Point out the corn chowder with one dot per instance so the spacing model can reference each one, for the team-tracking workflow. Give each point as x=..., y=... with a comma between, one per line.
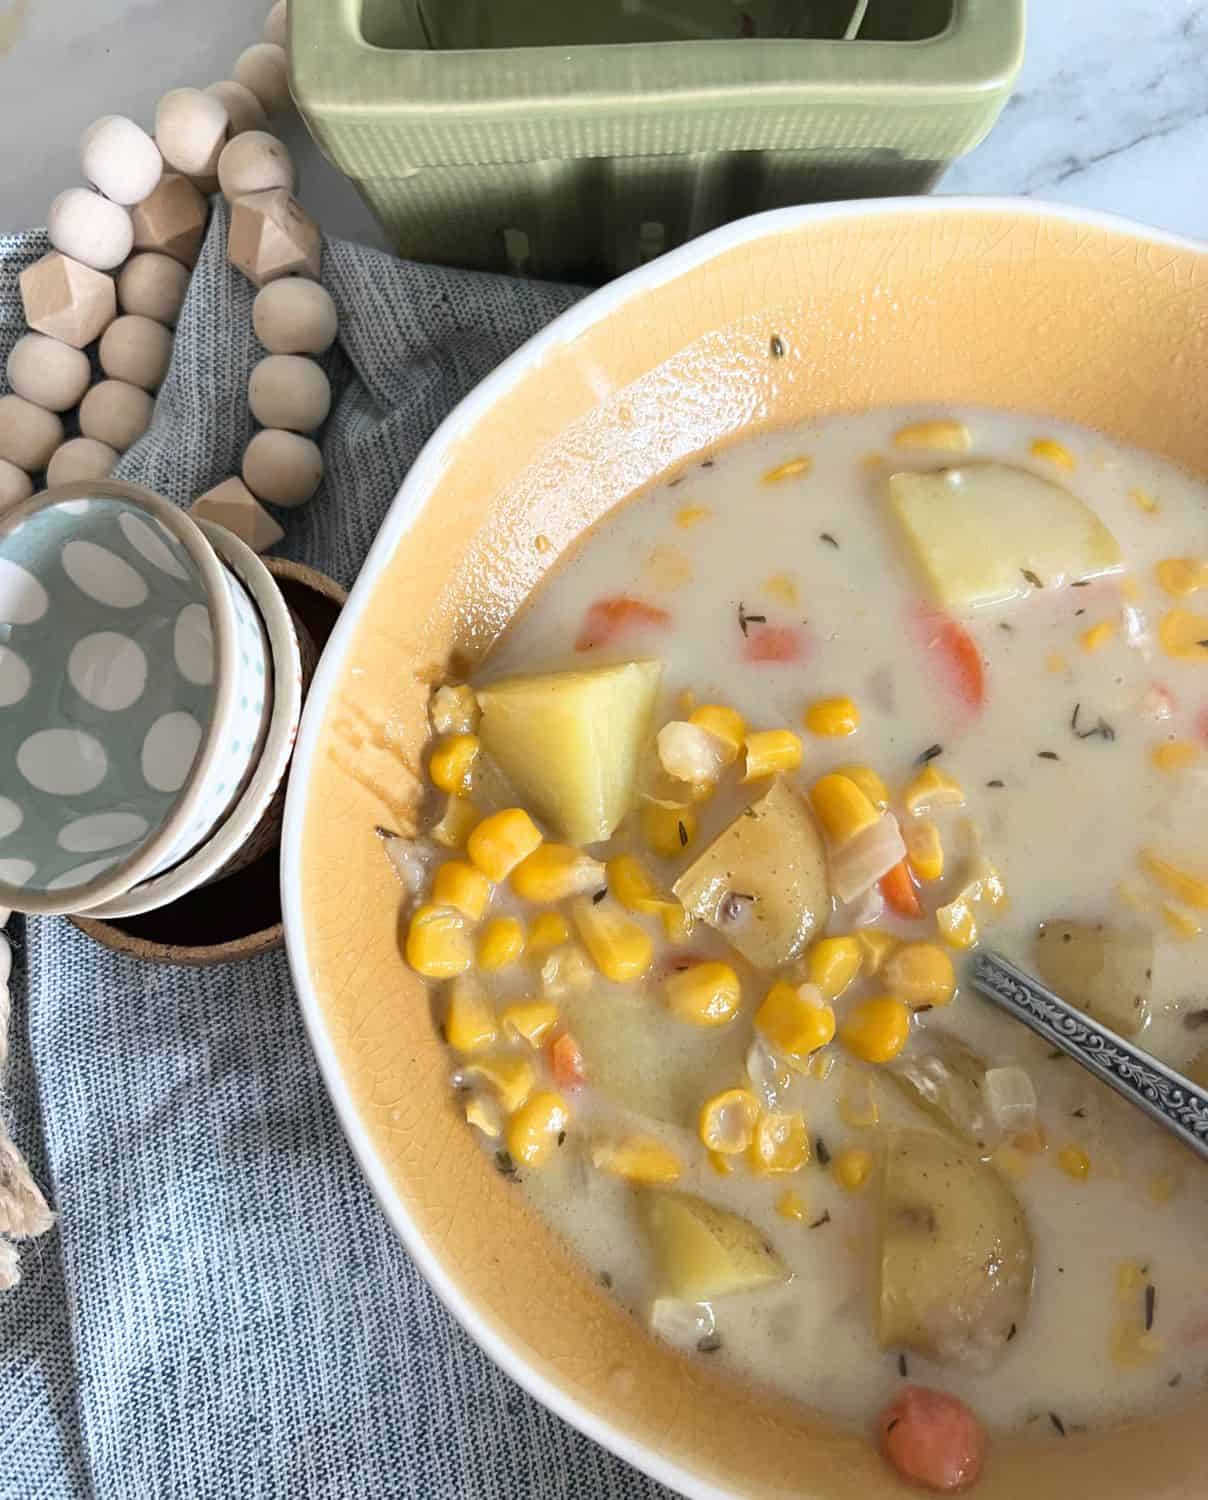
x=772, y=750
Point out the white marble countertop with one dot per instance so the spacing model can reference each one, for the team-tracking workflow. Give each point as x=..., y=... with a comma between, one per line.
x=1111, y=110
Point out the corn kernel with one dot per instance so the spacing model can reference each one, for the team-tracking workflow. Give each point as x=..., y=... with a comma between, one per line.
x=782, y=587
x=957, y=924
x=706, y=994
x=536, y=1129
x=547, y=930
x=620, y=949
x=833, y=963
x=727, y=1122
x=796, y=1023
x=921, y=974
x=721, y=1164
x=876, y=1030
x=450, y=763
x=639, y=1158
x=438, y=945
x=851, y=1168
x=822, y=1064
x=869, y=783
x=857, y=1104
x=1182, y=925
x=542, y=542
x=630, y=883
x=1057, y=664
x=1144, y=500
x=875, y=947
x=565, y=970
x=872, y=461
x=1053, y=452
x=470, y=1018
x=456, y=823
x=484, y=1115
x=832, y=718
x=793, y=468
x=552, y=872
x=790, y=1206
x=692, y=515
x=841, y=807
x=512, y=1078
x=930, y=789
x=924, y=849
x=1011, y=1162
x=949, y=435
x=724, y=724
x=500, y=842
x=1174, y=755
x=668, y=827
x=500, y=943
x=454, y=709
x=780, y=1143
x=1095, y=637
x=459, y=884
x=1184, y=635
x=1181, y=576
x=771, y=750
x=529, y=1021
x=1184, y=887
x=1074, y=1162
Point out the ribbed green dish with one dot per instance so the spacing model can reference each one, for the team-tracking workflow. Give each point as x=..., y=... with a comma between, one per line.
x=583, y=161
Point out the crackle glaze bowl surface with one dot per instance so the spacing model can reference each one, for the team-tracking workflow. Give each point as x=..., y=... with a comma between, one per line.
x=1000, y=303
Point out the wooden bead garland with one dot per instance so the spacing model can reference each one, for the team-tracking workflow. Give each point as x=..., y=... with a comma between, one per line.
x=145, y=213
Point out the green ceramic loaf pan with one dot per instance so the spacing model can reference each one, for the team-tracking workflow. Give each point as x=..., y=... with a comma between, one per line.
x=582, y=161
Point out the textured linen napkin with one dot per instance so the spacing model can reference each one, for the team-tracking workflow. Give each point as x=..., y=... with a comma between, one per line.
x=223, y=1310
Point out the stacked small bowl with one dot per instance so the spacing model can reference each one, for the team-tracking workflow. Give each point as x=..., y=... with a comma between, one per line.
x=150, y=688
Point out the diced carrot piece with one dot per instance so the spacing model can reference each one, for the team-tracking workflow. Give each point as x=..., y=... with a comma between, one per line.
x=609, y=619
x=566, y=1062
x=932, y=1439
x=900, y=892
x=775, y=643
x=955, y=653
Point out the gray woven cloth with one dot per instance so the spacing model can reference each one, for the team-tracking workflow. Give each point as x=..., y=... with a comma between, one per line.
x=223, y=1311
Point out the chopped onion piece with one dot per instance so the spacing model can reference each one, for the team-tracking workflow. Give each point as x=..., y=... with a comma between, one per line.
x=865, y=909
x=689, y=753
x=683, y=1324
x=1011, y=1099
x=862, y=861
x=411, y=861
x=770, y=1075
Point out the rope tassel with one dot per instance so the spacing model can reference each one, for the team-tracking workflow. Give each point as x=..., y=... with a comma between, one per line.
x=24, y=1212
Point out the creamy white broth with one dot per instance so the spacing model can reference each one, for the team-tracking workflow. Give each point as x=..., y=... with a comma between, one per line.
x=821, y=553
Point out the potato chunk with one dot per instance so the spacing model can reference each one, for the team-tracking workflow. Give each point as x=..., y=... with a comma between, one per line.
x=1104, y=970
x=956, y=1254
x=569, y=742
x=763, y=883
x=984, y=532
x=702, y=1251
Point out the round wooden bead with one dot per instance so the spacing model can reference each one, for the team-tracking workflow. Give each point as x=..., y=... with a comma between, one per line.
x=15, y=483
x=282, y=468
x=290, y=391
x=190, y=130
x=243, y=109
x=117, y=413
x=88, y=228
x=253, y=163
x=276, y=24
x=154, y=286
x=47, y=372
x=263, y=69
x=120, y=159
x=29, y=434
x=295, y=316
x=136, y=349
x=79, y=459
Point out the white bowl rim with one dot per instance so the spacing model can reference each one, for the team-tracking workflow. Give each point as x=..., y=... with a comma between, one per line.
x=414, y=492
x=128, y=872
x=226, y=840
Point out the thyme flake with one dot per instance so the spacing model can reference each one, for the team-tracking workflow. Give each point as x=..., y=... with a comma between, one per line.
x=1057, y=1422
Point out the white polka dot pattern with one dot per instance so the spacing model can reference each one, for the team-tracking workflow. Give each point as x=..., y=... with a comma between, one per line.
x=103, y=576
x=16, y=871
x=193, y=644
x=169, y=750
x=14, y=677
x=80, y=875
x=100, y=831
x=64, y=762
x=23, y=600
x=145, y=542
x=11, y=817
x=108, y=670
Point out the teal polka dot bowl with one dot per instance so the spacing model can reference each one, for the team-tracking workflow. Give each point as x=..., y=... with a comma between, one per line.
x=135, y=693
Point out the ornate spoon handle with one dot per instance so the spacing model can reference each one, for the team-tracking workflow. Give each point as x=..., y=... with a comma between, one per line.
x=1164, y=1095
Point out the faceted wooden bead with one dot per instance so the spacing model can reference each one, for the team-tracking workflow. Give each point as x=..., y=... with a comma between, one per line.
x=282, y=468
x=263, y=68
x=29, y=434
x=136, y=349
x=117, y=413
x=271, y=235
x=244, y=110
x=153, y=286
x=66, y=300
x=79, y=459
x=190, y=131
x=15, y=483
x=172, y=220
x=253, y=163
x=89, y=228
x=48, y=372
x=232, y=504
x=120, y=159
x=295, y=316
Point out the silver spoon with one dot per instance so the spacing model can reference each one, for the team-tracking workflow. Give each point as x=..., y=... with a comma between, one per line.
x=1164, y=1095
